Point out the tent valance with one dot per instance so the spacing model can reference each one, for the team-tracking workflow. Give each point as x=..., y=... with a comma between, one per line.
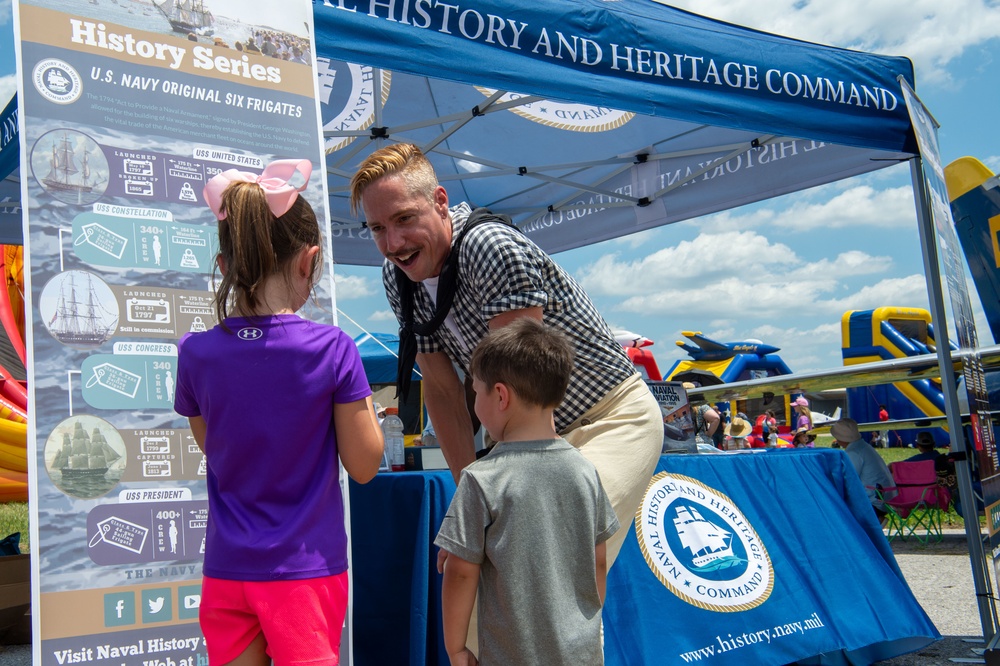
x=669, y=115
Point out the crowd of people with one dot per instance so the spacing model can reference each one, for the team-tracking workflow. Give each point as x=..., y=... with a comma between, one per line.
x=270, y=43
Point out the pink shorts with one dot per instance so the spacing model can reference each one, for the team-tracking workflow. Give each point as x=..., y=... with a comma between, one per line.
x=302, y=620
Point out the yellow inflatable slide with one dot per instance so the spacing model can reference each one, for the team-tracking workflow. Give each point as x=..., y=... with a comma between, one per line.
x=13, y=395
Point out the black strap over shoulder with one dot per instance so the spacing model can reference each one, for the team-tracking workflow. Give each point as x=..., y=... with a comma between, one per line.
x=447, y=287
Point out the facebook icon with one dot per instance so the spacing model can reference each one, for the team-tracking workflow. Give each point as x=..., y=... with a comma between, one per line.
x=119, y=609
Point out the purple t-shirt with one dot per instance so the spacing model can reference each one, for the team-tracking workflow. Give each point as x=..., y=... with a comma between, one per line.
x=266, y=392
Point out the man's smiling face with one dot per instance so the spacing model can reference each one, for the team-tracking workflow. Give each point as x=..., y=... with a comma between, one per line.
x=409, y=230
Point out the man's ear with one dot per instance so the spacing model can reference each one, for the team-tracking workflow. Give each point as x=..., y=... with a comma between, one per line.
x=441, y=200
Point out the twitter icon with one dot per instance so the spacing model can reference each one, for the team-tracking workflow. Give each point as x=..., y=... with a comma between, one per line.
x=156, y=605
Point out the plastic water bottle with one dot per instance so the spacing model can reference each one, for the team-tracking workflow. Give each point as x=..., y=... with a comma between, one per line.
x=392, y=430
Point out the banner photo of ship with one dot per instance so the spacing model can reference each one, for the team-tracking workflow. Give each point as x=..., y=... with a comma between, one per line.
x=187, y=16
x=119, y=254
x=216, y=22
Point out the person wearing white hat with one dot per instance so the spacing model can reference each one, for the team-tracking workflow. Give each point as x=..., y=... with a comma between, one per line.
x=867, y=462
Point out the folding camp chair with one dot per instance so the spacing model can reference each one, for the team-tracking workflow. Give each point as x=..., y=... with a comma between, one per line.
x=919, y=504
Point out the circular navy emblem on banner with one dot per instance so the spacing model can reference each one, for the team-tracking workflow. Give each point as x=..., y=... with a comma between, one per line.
x=57, y=81
x=250, y=333
x=564, y=115
x=699, y=544
x=347, y=99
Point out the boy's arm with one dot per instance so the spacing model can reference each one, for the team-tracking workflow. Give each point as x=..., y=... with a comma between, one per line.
x=458, y=595
x=601, y=555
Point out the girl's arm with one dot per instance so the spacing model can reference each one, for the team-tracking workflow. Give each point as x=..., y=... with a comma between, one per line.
x=601, y=552
x=458, y=596
x=198, y=429
x=359, y=438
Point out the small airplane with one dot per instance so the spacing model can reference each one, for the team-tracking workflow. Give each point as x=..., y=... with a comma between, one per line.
x=628, y=339
x=819, y=418
x=710, y=350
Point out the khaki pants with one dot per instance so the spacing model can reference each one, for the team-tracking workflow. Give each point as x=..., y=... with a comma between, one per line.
x=622, y=435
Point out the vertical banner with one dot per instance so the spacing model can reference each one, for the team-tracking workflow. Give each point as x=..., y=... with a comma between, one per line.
x=965, y=325
x=128, y=107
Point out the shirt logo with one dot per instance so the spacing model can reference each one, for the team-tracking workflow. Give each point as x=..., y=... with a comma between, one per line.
x=701, y=546
x=57, y=81
x=250, y=333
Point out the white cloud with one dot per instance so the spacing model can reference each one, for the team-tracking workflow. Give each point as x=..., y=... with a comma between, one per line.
x=685, y=265
x=8, y=86
x=910, y=291
x=825, y=208
x=352, y=286
x=382, y=315
x=6, y=12
x=930, y=32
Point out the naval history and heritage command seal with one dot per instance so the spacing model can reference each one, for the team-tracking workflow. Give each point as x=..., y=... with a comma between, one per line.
x=699, y=544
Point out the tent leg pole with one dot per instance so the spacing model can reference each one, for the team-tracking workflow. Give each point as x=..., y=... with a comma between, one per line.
x=977, y=555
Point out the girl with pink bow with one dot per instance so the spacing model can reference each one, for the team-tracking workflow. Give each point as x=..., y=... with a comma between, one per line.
x=273, y=400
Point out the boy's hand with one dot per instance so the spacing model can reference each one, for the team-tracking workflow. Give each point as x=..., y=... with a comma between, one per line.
x=463, y=658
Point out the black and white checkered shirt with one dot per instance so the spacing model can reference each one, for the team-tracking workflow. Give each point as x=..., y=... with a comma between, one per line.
x=500, y=270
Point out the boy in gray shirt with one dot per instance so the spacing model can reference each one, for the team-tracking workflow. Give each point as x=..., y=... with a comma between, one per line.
x=529, y=522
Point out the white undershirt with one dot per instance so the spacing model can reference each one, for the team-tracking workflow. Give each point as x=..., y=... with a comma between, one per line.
x=431, y=284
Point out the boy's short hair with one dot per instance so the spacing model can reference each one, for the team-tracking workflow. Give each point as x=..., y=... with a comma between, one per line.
x=533, y=359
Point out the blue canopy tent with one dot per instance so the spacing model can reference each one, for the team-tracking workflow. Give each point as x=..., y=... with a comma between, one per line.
x=10, y=184
x=589, y=121
x=379, y=355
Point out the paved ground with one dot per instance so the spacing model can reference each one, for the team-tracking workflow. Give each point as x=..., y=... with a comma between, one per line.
x=939, y=575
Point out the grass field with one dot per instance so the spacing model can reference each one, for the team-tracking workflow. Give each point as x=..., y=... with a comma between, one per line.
x=951, y=519
x=14, y=518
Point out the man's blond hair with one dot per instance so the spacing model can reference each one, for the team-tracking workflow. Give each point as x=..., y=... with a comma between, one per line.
x=404, y=160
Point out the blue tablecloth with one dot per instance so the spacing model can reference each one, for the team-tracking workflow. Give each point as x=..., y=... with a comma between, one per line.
x=397, y=589
x=836, y=594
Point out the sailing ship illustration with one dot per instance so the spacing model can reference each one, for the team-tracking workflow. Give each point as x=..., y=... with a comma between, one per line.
x=187, y=16
x=77, y=321
x=710, y=545
x=83, y=455
x=63, y=170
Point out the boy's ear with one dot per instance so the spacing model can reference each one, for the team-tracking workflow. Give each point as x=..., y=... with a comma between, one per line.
x=503, y=395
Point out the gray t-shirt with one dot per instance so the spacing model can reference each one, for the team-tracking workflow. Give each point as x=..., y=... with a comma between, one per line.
x=531, y=513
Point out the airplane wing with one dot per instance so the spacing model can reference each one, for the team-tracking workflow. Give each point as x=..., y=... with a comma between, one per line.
x=864, y=374
x=703, y=342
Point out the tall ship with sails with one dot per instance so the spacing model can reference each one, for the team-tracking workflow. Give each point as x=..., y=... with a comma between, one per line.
x=710, y=545
x=79, y=319
x=83, y=455
x=187, y=16
x=63, y=169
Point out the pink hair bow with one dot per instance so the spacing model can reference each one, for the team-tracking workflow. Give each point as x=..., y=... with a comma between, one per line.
x=274, y=181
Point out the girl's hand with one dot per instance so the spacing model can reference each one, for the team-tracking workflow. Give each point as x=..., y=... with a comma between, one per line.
x=464, y=658
x=359, y=438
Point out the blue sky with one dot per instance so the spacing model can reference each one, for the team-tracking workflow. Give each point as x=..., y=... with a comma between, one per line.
x=783, y=271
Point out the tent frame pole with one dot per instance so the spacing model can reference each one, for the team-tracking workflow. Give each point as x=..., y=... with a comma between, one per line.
x=977, y=555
